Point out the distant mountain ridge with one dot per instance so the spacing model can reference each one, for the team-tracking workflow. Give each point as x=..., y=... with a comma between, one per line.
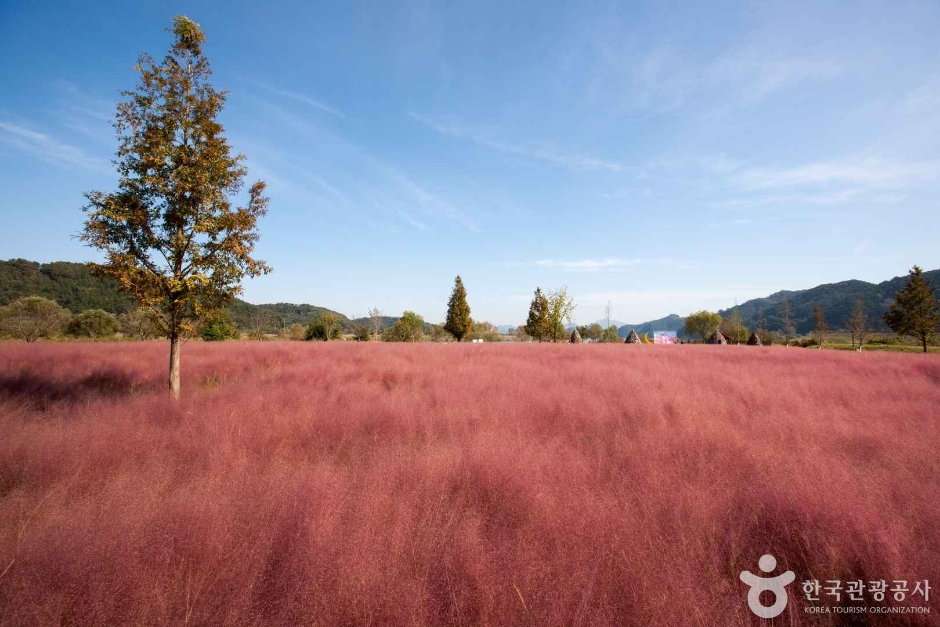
x=72, y=286
x=837, y=300
x=672, y=322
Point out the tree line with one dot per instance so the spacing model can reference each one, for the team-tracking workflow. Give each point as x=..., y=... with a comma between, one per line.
x=915, y=313
x=175, y=241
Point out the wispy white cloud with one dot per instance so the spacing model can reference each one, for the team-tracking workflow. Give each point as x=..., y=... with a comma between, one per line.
x=84, y=113
x=925, y=98
x=664, y=79
x=840, y=197
x=720, y=164
x=413, y=221
x=431, y=202
x=80, y=101
x=611, y=264
x=756, y=74
x=48, y=148
x=624, y=192
x=535, y=151
x=332, y=191
x=865, y=172
x=302, y=98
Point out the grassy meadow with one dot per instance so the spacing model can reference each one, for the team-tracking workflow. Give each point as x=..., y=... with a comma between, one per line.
x=442, y=484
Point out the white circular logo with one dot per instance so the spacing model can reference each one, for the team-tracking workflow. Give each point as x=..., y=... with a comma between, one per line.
x=758, y=584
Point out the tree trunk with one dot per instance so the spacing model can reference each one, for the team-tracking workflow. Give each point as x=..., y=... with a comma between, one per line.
x=925, y=344
x=175, y=346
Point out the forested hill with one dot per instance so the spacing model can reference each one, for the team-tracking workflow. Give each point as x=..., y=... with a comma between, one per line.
x=72, y=286
x=69, y=284
x=837, y=300
x=672, y=322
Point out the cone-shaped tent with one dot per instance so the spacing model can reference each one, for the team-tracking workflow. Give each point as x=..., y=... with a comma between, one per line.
x=717, y=338
x=633, y=338
x=754, y=340
x=575, y=337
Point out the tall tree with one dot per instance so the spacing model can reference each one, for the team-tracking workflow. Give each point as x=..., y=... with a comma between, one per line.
x=787, y=321
x=761, y=330
x=916, y=311
x=408, y=328
x=858, y=322
x=170, y=233
x=702, y=323
x=262, y=321
x=458, y=321
x=610, y=335
x=537, y=323
x=819, y=325
x=733, y=327
x=560, y=308
x=361, y=333
x=375, y=320
x=594, y=332
x=32, y=317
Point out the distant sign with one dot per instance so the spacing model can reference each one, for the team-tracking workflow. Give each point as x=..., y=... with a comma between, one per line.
x=665, y=337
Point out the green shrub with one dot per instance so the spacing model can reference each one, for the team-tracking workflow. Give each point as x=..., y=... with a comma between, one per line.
x=218, y=327
x=324, y=328
x=93, y=323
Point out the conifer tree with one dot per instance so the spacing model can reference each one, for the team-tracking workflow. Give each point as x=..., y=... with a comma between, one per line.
x=458, y=321
x=537, y=322
x=916, y=311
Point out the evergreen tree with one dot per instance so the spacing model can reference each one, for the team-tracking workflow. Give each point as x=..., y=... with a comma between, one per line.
x=537, y=323
x=916, y=311
x=170, y=233
x=458, y=321
x=217, y=326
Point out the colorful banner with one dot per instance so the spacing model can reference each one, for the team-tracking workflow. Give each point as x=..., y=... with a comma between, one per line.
x=665, y=337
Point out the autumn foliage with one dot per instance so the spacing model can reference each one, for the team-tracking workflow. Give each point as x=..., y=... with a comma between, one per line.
x=445, y=484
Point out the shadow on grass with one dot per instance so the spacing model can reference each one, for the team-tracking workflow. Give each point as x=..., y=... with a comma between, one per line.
x=40, y=392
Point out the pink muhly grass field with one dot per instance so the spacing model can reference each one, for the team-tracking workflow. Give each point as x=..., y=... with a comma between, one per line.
x=394, y=484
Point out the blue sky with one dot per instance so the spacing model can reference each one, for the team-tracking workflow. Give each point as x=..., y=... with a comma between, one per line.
x=665, y=158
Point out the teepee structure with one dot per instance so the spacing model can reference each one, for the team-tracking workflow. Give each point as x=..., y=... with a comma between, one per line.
x=754, y=340
x=717, y=338
x=633, y=338
x=575, y=337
